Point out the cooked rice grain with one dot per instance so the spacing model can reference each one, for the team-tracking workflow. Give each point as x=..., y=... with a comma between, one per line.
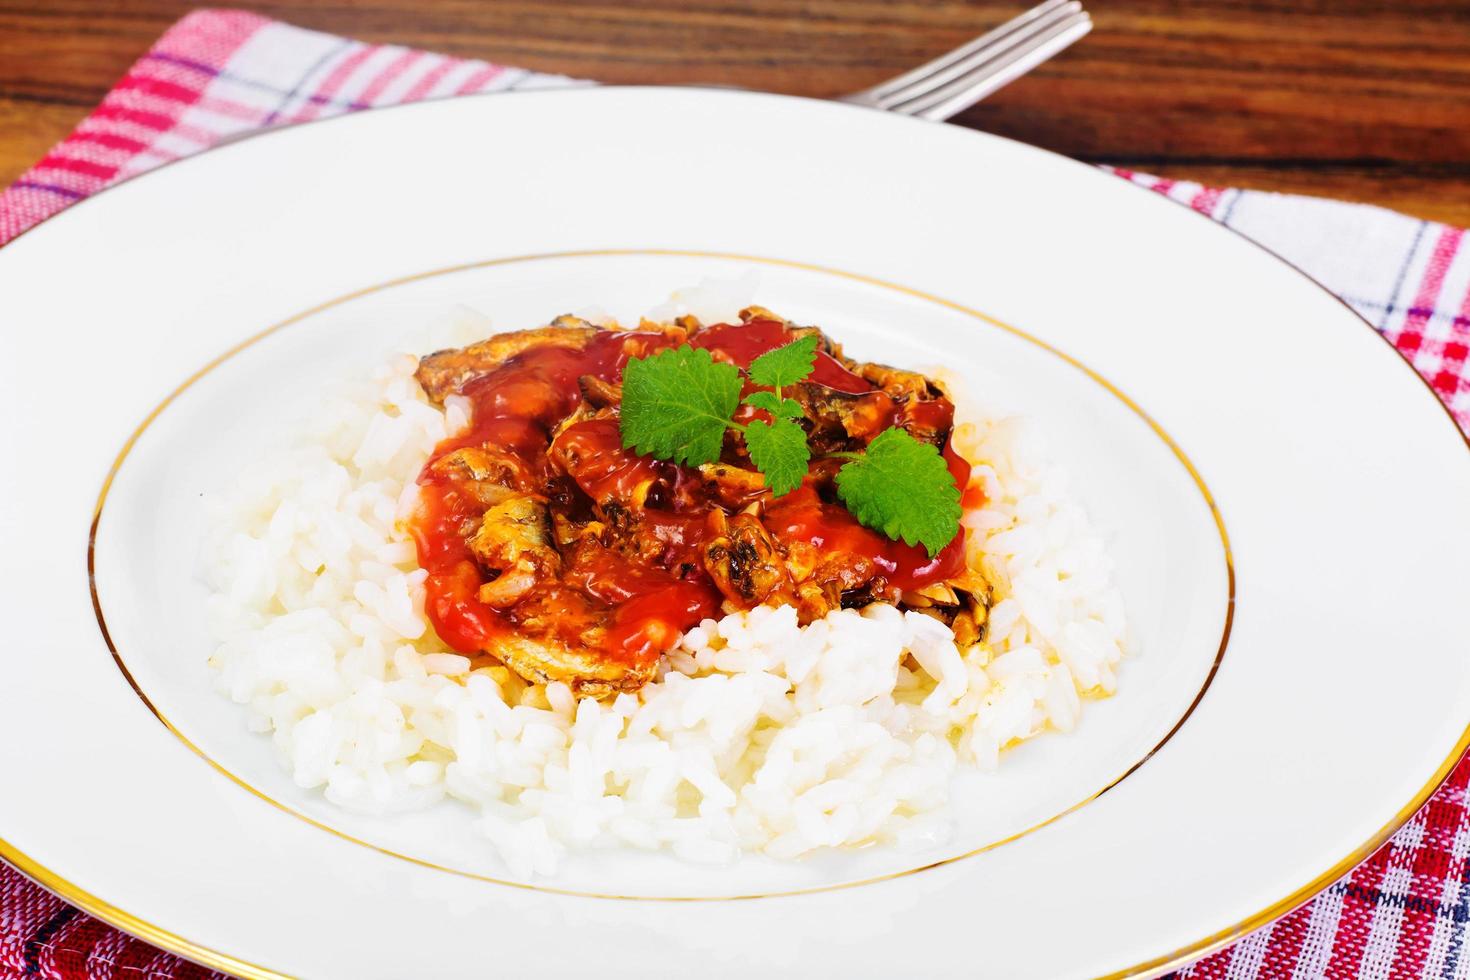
x=759, y=734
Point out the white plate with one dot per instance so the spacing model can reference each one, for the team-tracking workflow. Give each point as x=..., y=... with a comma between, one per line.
x=1286, y=712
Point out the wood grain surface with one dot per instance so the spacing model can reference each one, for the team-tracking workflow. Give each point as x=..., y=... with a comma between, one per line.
x=1350, y=99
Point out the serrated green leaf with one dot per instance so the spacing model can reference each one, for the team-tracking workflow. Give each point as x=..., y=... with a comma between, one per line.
x=779, y=451
x=787, y=408
x=785, y=365
x=903, y=488
x=677, y=404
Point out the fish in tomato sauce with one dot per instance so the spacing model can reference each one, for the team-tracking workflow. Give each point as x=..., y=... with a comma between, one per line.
x=554, y=549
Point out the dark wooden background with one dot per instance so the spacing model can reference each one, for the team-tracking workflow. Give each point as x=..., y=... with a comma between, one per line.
x=1351, y=99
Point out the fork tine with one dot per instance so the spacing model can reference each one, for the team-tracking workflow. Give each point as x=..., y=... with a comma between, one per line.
x=994, y=73
x=979, y=58
x=1022, y=24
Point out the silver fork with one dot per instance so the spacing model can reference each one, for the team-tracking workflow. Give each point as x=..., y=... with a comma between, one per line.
x=964, y=76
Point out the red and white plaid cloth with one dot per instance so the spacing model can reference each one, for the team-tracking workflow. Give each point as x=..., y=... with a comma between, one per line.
x=1402, y=913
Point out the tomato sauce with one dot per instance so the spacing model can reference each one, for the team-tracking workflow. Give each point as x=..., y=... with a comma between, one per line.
x=647, y=599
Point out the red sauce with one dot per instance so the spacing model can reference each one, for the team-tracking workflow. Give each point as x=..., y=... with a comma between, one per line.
x=802, y=516
x=649, y=598
x=459, y=617
x=744, y=342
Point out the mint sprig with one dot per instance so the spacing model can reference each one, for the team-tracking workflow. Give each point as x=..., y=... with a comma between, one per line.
x=902, y=487
x=678, y=404
x=779, y=451
x=786, y=365
x=788, y=408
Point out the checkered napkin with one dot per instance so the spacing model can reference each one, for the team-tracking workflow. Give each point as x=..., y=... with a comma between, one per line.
x=1402, y=913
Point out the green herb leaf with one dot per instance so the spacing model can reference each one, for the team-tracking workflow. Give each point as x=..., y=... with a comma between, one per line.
x=780, y=452
x=903, y=488
x=677, y=405
x=785, y=365
x=778, y=407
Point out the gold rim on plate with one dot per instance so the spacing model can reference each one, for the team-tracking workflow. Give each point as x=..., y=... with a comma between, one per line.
x=681, y=253
x=1194, y=950
x=155, y=934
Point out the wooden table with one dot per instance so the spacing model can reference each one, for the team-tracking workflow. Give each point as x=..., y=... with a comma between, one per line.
x=1346, y=98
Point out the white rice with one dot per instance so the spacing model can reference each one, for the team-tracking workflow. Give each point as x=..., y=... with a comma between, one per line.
x=760, y=735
